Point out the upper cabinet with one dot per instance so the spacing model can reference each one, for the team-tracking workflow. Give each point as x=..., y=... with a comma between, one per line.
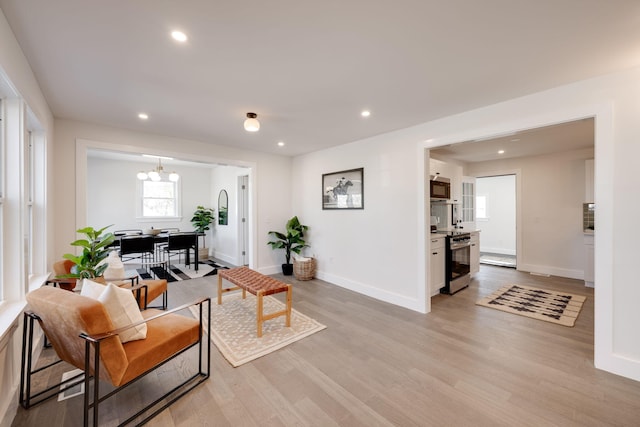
x=589, y=179
x=451, y=171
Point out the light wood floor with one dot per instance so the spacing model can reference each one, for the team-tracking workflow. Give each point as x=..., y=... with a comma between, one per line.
x=380, y=365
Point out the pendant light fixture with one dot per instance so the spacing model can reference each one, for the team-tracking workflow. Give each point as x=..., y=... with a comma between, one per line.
x=251, y=124
x=156, y=174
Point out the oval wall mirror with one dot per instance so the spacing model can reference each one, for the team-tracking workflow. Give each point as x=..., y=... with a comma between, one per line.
x=223, y=207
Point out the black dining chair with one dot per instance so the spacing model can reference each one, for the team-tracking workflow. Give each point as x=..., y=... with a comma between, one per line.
x=179, y=243
x=137, y=247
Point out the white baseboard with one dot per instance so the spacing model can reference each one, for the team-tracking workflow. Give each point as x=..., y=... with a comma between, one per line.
x=379, y=294
x=229, y=259
x=272, y=269
x=390, y=297
x=12, y=409
x=552, y=271
x=500, y=251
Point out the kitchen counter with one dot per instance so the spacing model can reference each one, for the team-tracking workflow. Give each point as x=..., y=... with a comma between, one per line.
x=448, y=232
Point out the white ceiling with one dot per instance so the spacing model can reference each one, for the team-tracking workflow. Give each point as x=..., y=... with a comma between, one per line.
x=576, y=135
x=308, y=68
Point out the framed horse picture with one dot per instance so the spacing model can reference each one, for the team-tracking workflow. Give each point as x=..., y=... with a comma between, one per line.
x=343, y=190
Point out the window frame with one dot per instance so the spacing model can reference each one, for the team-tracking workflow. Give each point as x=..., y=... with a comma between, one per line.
x=140, y=201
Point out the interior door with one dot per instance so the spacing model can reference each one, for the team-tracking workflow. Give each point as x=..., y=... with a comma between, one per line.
x=243, y=199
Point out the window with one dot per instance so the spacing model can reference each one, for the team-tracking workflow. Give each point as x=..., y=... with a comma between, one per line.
x=481, y=207
x=22, y=209
x=29, y=208
x=159, y=199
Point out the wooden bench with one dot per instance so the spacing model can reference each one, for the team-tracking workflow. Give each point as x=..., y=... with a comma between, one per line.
x=259, y=285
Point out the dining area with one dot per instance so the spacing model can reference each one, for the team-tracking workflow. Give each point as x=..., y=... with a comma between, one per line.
x=155, y=249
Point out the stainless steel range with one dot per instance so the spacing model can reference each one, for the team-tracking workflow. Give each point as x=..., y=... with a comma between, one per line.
x=458, y=262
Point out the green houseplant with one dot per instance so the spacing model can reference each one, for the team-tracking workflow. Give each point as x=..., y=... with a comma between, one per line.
x=94, y=251
x=202, y=219
x=291, y=241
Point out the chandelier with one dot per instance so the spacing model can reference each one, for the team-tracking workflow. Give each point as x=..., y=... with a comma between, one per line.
x=156, y=174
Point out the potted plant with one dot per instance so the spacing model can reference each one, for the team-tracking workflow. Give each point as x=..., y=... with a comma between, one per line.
x=202, y=219
x=292, y=241
x=95, y=250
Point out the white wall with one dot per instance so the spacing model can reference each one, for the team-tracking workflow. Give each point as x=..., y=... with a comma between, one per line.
x=551, y=195
x=373, y=251
x=499, y=227
x=271, y=174
x=112, y=194
x=15, y=69
x=225, y=241
x=380, y=251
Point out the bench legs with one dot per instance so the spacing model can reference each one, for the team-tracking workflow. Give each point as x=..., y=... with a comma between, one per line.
x=260, y=316
x=222, y=291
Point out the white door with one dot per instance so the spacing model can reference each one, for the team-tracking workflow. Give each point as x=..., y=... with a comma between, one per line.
x=243, y=219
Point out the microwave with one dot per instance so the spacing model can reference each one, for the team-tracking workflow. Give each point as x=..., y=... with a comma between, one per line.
x=440, y=188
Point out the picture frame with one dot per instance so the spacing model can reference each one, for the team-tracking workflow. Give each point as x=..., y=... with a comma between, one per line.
x=343, y=189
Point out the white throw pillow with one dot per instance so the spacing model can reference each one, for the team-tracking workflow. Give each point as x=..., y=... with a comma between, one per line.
x=123, y=310
x=92, y=289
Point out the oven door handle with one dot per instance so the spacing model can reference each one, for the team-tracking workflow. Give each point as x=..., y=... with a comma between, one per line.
x=460, y=245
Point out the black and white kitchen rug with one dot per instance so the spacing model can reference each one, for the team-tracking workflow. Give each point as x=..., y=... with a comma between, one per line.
x=555, y=307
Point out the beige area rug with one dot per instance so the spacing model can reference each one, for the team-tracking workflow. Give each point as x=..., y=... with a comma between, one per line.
x=234, y=327
x=554, y=307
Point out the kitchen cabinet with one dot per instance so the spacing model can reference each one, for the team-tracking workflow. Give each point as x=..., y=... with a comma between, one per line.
x=451, y=171
x=437, y=261
x=475, y=252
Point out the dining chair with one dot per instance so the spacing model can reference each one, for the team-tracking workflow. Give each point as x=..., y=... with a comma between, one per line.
x=179, y=243
x=141, y=248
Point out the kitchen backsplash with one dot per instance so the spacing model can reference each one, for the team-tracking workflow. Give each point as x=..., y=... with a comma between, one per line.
x=588, y=216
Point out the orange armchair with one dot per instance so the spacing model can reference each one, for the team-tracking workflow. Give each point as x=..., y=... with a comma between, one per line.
x=81, y=331
x=145, y=291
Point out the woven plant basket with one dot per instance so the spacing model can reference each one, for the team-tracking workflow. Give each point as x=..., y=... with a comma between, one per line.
x=304, y=270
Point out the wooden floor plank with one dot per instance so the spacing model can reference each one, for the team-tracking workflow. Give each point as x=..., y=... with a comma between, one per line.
x=379, y=364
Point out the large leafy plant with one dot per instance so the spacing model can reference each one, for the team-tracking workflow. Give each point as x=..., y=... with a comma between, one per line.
x=202, y=219
x=292, y=241
x=94, y=251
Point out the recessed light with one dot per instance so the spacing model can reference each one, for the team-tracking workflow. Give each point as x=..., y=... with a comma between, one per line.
x=365, y=113
x=501, y=152
x=280, y=144
x=179, y=36
x=143, y=116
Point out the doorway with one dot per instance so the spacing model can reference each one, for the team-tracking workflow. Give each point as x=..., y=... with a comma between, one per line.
x=496, y=216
